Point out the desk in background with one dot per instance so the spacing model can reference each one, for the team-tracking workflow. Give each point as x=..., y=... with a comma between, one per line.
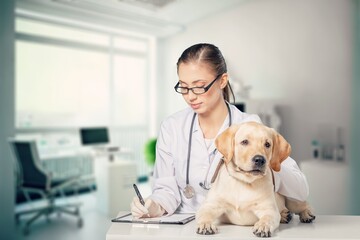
x=324, y=227
x=68, y=163
x=113, y=178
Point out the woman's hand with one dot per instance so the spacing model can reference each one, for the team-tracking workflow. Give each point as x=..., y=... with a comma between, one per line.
x=151, y=208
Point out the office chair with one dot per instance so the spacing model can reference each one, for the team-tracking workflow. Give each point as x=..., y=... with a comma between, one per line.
x=32, y=179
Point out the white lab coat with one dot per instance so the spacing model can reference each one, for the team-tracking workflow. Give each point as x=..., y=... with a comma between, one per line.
x=171, y=163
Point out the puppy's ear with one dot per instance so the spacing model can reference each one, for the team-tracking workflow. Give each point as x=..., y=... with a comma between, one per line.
x=281, y=150
x=225, y=142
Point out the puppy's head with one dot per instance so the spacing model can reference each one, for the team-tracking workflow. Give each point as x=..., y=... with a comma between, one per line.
x=249, y=148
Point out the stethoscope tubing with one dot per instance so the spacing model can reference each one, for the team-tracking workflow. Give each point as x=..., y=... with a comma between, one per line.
x=189, y=149
x=189, y=146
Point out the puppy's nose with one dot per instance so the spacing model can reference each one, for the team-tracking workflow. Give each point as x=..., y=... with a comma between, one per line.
x=258, y=160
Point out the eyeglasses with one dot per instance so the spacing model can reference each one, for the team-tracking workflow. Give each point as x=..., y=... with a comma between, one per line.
x=195, y=90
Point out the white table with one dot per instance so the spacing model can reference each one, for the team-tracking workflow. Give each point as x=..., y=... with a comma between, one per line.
x=324, y=227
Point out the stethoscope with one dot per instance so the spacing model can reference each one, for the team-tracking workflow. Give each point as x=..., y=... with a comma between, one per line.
x=189, y=191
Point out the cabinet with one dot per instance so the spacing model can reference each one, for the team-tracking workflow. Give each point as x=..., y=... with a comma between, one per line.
x=114, y=185
x=329, y=185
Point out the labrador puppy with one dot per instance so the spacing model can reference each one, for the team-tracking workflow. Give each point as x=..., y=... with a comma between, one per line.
x=243, y=191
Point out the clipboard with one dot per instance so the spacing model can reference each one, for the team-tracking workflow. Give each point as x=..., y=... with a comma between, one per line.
x=176, y=218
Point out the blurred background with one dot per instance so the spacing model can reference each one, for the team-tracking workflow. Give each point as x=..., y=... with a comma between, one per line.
x=70, y=68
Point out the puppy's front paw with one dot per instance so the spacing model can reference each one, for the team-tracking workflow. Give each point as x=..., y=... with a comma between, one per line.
x=206, y=228
x=286, y=216
x=262, y=229
x=306, y=216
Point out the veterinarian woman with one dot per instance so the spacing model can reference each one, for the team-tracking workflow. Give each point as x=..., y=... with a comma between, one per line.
x=186, y=156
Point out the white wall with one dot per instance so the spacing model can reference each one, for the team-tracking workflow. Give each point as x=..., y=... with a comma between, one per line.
x=296, y=52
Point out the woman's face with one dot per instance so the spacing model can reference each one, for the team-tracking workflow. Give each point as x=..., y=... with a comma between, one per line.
x=196, y=74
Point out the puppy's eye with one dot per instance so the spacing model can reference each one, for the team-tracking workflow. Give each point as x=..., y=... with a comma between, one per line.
x=244, y=142
x=267, y=145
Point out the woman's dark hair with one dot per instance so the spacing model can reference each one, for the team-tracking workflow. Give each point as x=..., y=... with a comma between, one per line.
x=210, y=54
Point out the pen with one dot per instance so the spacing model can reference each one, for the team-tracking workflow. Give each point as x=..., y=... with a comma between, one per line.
x=139, y=195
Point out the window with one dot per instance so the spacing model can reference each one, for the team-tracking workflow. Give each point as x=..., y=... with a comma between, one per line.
x=70, y=77
x=61, y=87
x=130, y=91
x=60, y=32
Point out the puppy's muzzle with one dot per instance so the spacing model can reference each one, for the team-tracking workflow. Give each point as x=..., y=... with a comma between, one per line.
x=258, y=162
x=258, y=166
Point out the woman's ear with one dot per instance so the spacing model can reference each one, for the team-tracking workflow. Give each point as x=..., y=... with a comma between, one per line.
x=224, y=80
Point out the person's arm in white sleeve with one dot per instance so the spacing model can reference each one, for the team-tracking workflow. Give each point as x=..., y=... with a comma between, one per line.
x=290, y=181
x=165, y=189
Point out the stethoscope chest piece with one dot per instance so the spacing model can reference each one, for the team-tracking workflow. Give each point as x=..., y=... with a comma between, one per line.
x=189, y=191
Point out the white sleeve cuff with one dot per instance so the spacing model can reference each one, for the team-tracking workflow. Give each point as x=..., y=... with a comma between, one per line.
x=277, y=180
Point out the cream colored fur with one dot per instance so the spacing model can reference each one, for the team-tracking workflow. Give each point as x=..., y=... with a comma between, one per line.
x=243, y=192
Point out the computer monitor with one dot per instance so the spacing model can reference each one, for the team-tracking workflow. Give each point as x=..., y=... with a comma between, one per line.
x=94, y=136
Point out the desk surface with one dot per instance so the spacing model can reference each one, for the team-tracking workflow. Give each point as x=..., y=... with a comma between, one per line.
x=324, y=227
